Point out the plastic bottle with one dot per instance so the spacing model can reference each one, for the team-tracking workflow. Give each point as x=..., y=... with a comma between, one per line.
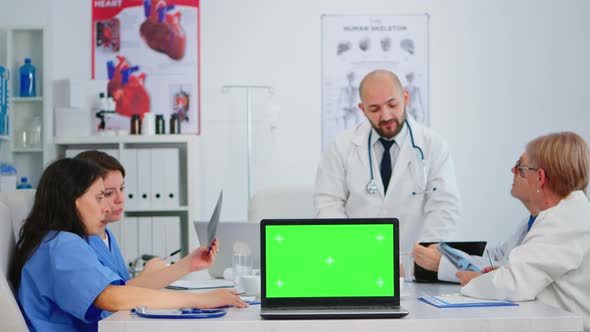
x=3, y=100
x=24, y=183
x=148, y=124
x=28, y=77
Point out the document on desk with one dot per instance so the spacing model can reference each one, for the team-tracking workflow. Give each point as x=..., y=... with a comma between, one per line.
x=461, y=301
x=200, y=284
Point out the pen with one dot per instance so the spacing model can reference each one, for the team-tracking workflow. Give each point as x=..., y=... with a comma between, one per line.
x=173, y=253
x=491, y=264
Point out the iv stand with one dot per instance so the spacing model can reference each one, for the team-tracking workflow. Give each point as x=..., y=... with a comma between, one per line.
x=248, y=89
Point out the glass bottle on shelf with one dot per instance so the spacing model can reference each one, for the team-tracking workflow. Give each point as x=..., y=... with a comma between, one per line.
x=30, y=137
x=34, y=135
x=22, y=138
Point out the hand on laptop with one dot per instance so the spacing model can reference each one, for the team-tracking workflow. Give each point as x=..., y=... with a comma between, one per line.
x=203, y=257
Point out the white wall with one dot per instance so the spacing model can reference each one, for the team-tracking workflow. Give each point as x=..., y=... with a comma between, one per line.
x=502, y=73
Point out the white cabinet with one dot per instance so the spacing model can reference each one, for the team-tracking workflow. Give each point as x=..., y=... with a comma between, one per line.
x=28, y=116
x=159, y=169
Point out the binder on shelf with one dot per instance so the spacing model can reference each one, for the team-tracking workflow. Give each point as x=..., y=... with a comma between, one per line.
x=165, y=235
x=158, y=178
x=461, y=301
x=172, y=178
x=128, y=242
x=165, y=178
x=144, y=174
x=159, y=238
x=145, y=235
x=129, y=161
x=172, y=234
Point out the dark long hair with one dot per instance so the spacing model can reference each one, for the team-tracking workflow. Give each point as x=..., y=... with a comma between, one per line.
x=102, y=159
x=54, y=208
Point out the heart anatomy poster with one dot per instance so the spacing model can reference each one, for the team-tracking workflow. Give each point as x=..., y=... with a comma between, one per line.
x=148, y=52
x=354, y=45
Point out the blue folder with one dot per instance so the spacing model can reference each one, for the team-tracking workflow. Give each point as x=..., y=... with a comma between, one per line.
x=460, y=301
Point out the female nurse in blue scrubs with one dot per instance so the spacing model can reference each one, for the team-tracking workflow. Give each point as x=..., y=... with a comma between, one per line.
x=61, y=283
x=105, y=243
x=157, y=274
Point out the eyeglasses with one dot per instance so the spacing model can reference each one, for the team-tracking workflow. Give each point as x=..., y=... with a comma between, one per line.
x=521, y=168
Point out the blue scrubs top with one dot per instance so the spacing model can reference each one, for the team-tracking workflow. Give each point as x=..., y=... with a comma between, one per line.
x=60, y=282
x=113, y=259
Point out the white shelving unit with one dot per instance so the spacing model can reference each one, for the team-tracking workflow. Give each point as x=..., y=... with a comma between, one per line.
x=16, y=44
x=187, y=146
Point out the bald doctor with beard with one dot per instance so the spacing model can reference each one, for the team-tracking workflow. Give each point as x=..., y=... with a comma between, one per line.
x=389, y=166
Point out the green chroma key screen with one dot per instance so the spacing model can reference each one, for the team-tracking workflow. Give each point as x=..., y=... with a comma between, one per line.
x=329, y=260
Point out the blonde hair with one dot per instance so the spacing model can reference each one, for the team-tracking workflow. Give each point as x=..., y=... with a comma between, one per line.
x=565, y=158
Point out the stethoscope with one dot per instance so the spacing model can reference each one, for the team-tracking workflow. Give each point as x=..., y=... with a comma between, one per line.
x=372, y=185
x=183, y=313
x=189, y=313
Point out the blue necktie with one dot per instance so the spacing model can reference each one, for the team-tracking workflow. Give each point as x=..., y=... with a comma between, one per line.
x=386, y=162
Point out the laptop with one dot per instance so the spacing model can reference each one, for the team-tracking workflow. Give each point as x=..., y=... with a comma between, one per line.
x=330, y=268
x=228, y=233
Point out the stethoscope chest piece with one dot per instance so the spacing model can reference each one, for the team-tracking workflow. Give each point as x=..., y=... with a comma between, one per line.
x=372, y=187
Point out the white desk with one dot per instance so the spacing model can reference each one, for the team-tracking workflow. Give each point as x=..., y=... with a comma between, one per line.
x=529, y=316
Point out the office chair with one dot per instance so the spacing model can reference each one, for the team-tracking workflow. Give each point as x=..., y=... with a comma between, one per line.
x=11, y=318
x=280, y=203
x=19, y=204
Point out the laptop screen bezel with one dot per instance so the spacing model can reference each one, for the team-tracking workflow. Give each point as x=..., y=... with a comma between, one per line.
x=340, y=301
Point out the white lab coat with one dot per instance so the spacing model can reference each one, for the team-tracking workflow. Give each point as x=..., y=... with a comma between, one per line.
x=426, y=211
x=552, y=264
x=498, y=255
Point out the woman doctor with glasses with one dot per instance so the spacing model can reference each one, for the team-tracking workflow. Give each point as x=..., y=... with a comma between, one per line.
x=552, y=261
x=431, y=259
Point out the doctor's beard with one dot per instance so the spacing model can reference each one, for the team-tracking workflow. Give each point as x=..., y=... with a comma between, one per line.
x=398, y=121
